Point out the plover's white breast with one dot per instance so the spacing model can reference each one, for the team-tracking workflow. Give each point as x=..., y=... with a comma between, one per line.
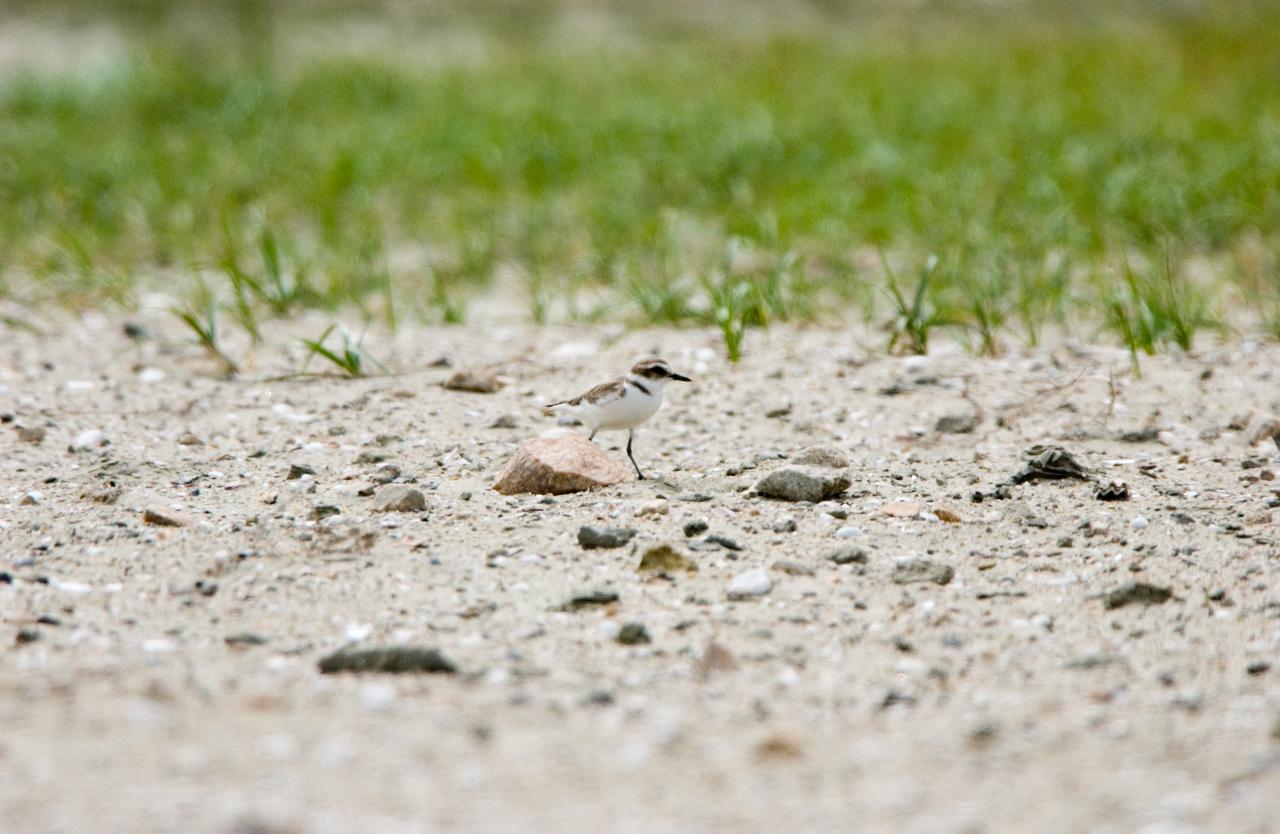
x=625, y=411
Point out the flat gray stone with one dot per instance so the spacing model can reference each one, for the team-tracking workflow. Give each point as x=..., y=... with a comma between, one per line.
x=591, y=537
x=795, y=483
x=912, y=571
x=848, y=555
x=399, y=498
x=821, y=456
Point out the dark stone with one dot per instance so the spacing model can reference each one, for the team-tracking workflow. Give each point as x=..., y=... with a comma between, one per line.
x=1095, y=661
x=244, y=638
x=1137, y=592
x=599, y=698
x=633, y=634
x=893, y=698
x=591, y=599
x=664, y=559
x=396, y=660
x=477, y=381
x=399, y=499
x=693, y=528
x=922, y=570
x=297, y=470
x=1146, y=434
x=803, y=484
x=961, y=422
x=159, y=519
x=591, y=537
x=849, y=554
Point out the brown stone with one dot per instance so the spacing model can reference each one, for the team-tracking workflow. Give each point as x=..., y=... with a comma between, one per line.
x=479, y=382
x=821, y=456
x=1266, y=430
x=160, y=519
x=553, y=466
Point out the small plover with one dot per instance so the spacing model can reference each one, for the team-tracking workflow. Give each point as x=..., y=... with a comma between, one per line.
x=622, y=403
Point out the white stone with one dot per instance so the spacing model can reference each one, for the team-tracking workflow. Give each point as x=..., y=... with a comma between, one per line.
x=90, y=439
x=750, y=583
x=377, y=696
x=1139, y=523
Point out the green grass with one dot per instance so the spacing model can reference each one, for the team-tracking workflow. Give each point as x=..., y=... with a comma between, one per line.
x=1034, y=162
x=348, y=358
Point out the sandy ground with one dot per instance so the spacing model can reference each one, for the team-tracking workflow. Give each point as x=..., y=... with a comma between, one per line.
x=1010, y=699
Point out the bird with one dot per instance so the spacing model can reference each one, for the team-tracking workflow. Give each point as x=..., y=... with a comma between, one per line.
x=622, y=403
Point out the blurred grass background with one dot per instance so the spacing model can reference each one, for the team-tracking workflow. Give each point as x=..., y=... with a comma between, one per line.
x=992, y=168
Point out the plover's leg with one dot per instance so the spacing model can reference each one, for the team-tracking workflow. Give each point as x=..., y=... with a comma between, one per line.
x=630, y=434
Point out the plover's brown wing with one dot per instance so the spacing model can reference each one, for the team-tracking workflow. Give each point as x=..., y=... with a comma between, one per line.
x=602, y=394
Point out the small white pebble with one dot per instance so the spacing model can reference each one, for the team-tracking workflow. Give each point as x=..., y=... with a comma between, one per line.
x=848, y=532
x=147, y=376
x=1139, y=523
x=358, y=631
x=378, y=696
x=750, y=583
x=90, y=439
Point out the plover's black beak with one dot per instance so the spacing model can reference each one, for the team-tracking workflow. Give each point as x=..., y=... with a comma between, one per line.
x=681, y=378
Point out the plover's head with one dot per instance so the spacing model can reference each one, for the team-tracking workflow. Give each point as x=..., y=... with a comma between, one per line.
x=656, y=370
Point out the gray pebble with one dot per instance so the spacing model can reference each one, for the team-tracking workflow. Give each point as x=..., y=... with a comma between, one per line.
x=633, y=634
x=696, y=526
x=912, y=571
x=591, y=537
x=849, y=554
x=803, y=484
x=399, y=499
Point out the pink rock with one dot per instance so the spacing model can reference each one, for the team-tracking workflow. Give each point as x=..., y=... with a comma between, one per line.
x=570, y=463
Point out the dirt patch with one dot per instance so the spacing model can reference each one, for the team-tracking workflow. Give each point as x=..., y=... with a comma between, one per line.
x=161, y=678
